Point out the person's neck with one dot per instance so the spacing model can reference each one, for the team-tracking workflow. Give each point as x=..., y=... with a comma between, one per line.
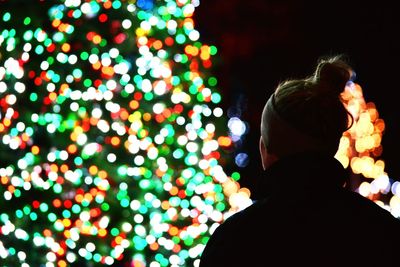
x=305, y=172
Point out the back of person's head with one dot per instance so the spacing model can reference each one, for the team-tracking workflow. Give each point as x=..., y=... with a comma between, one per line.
x=308, y=114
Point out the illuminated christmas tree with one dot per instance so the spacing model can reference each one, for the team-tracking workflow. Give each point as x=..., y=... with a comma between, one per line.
x=360, y=149
x=112, y=141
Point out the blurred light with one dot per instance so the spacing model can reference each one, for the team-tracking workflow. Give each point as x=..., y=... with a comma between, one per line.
x=97, y=124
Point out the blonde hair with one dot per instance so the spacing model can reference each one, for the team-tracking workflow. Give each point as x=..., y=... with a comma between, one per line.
x=313, y=106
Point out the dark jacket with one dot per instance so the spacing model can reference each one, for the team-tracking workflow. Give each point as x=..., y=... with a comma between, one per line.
x=307, y=218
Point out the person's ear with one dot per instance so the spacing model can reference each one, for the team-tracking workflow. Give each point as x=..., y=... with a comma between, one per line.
x=263, y=153
x=267, y=159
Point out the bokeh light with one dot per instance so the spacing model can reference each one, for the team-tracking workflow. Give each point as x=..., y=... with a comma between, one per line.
x=360, y=149
x=113, y=142
x=112, y=139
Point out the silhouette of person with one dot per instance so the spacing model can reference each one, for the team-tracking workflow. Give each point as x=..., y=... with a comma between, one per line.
x=307, y=217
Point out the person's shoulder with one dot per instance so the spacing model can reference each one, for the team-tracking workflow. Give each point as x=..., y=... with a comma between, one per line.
x=246, y=214
x=367, y=208
x=224, y=247
x=233, y=225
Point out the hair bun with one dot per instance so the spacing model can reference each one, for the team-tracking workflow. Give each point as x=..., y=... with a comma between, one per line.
x=334, y=73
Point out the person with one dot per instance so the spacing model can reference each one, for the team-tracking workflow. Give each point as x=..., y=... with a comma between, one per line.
x=307, y=216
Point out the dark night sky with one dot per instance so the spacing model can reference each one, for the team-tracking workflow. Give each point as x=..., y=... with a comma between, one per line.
x=262, y=42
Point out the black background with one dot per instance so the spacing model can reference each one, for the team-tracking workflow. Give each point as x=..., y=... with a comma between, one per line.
x=263, y=42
